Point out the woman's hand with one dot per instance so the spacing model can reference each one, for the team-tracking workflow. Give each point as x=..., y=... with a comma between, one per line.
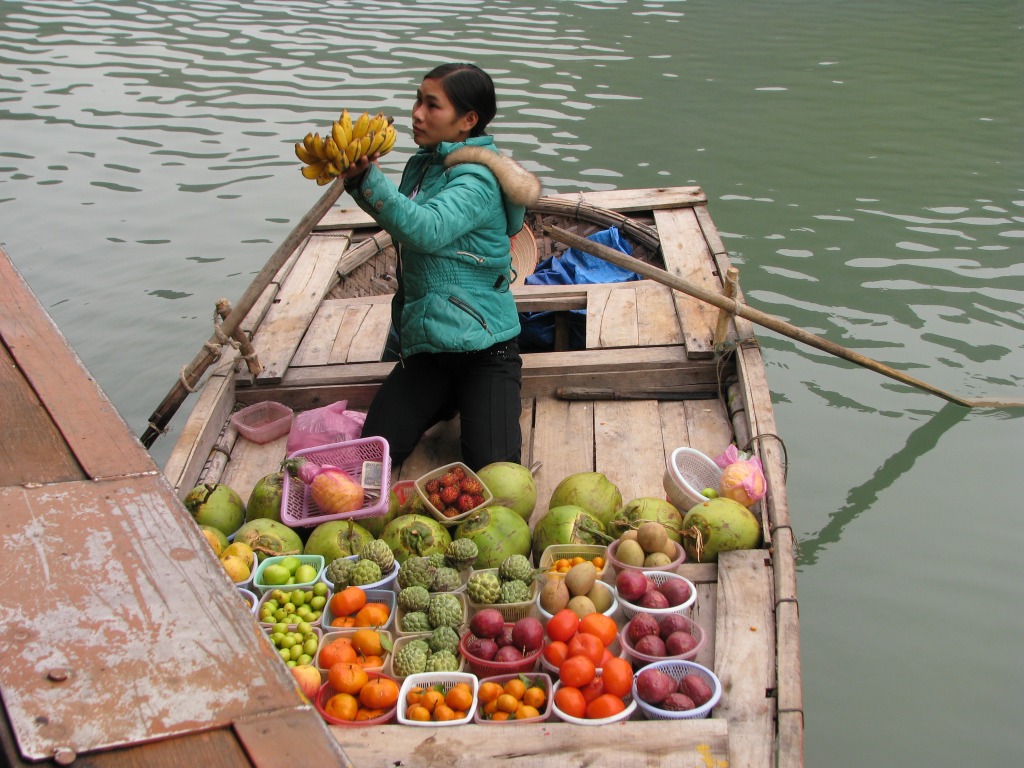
x=356, y=170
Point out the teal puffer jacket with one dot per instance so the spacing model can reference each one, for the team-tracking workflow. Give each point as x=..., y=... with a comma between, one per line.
x=452, y=216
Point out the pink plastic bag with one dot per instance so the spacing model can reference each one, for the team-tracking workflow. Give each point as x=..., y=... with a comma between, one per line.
x=742, y=476
x=322, y=426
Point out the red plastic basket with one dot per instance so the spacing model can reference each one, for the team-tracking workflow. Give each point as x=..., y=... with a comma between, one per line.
x=482, y=668
x=298, y=509
x=327, y=691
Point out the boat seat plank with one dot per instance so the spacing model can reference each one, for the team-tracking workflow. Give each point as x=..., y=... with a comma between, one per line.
x=687, y=256
x=655, y=325
x=281, y=332
x=708, y=423
x=628, y=444
x=563, y=441
x=611, y=317
x=745, y=655
x=368, y=344
x=90, y=426
x=553, y=744
x=349, y=328
x=321, y=336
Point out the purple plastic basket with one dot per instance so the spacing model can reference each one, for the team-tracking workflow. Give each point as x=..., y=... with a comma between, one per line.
x=298, y=509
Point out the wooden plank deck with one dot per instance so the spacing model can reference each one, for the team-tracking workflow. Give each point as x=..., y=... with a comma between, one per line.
x=123, y=633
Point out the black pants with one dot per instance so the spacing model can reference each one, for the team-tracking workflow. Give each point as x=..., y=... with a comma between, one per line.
x=483, y=387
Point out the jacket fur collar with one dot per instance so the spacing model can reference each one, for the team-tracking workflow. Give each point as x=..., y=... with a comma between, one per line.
x=519, y=185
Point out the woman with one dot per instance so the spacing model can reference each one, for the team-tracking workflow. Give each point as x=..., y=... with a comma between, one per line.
x=451, y=217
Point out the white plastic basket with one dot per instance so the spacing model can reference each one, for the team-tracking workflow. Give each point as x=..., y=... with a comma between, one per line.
x=678, y=670
x=447, y=681
x=687, y=473
x=623, y=715
x=611, y=608
x=629, y=610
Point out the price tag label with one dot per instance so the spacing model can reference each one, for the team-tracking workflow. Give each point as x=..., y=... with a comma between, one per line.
x=372, y=471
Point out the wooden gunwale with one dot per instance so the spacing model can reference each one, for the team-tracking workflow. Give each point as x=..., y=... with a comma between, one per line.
x=748, y=599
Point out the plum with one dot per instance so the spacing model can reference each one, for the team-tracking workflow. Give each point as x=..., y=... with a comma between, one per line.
x=676, y=591
x=528, y=634
x=487, y=623
x=630, y=585
x=696, y=687
x=674, y=622
x=641, y=625
x=679, y=643
x=650, y=645
x=677, y=702
x=654, y=599
x=654, y=686
x=508, y=653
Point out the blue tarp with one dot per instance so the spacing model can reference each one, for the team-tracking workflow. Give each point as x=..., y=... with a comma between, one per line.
x=572, y=268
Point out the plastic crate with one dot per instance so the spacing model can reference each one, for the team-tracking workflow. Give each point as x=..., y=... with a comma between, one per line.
x=298, y=509
x=250, y=597
x=440, y=471
x=447, y=681
x=259, y=585
x=555, y=552
x=625, y=714
x=385, y=596
x=268, y=595
x=327, y=691
x=642, y=659
x=483, y=668
x=330, y=636
x=540, y=678
x=678, y=670
x=263, y=422
x=404, y=640
x=618, y=566
x=268, y=631
x=386, y=582
x=687, y=473
x=399, y=613
x=611, y=608
x=629, y=610
x=510, y=611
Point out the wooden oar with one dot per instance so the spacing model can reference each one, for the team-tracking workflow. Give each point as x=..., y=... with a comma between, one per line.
x=210, y=351
x=762, y=318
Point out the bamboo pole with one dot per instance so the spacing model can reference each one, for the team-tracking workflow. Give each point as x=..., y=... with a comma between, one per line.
x=734, y=307
x=191, y=374
x=732, y=281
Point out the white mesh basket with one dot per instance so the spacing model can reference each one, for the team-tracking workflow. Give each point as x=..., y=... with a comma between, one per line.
x=687, y=474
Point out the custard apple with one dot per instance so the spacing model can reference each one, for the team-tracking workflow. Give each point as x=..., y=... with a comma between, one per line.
x=415, y=621
x=414, y=599
x=514, y=591
x=437, y=559
x=378, y=551
x=515, y=567
x=410, y=660
x=445, y=580
x=416, y=571
x=483, y=587
x=445, y=610
x=443, y=639
x=461, y=554
x=339, y=572
x=443, y=661
x=419, y=642
x=365, y=572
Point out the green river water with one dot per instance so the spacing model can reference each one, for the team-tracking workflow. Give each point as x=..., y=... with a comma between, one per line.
x=864, y=164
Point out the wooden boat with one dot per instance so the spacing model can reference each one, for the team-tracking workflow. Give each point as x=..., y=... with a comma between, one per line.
x=648, y=380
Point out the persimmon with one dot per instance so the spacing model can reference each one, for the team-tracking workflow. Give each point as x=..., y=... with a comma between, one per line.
x=577, y=671
x=617, y=674
x=460, y=697
x=593, y=689
x=571, y=702
x=605, y=705
x=601, y=626
x=367, y=642
x=590, y=646
x=338, y=650
x=562, y=625
x=347, y=602
x=555, y=652
x=342, y=706
x=346, y=677
x=379, y=693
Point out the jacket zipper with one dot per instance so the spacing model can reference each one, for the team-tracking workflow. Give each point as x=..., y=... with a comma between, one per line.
x=469, y=311
x=477, y=259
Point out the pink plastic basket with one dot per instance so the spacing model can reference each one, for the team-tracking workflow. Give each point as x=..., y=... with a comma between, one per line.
x=327, y=691
x=482, y=668
x=298, y=509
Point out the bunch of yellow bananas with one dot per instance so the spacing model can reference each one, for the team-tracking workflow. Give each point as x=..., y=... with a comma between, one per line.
x=327, y=157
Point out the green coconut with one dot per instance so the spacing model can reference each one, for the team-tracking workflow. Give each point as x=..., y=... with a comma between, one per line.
x=269, y=538
x=497, y=532
x=592, y=491
x=402, y=500
x=512, y=486
x=567, y=524
x=719, y=525
x=415, y=535
x=337, y=538
x=639, y=511
x=216, y=505
x=265, y=498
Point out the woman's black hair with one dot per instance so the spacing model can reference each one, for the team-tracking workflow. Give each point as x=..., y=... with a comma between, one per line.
x=469, y=89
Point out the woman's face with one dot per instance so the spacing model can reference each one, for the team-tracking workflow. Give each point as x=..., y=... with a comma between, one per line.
x=434, y=118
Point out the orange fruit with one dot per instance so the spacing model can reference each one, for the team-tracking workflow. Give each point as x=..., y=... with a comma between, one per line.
x=499, y=716
x=371, y=662
x=507, y=703
x=535, y=696
x=419, y=713
x=379, y=693
x=372, y=615
x=489, y=692
x=459, y=697
x=338, y=650
x=515, y=687
x=414, y=695
x=367, y=642
x=431, y=699
x=342, y=706
x=443, y=712
x=369, y=714
x=346, y=677
x=526, y=711
x=347, y=602
x=571, y=702
x=598, y=562
x=491, y=707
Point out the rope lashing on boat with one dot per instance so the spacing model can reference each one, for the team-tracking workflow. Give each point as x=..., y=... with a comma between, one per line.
x=782, y=443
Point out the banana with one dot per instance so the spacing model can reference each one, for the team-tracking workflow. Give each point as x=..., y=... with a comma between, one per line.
x=376, y=140
x=364, y=144
x=346, y=127
x=339, y=135
x=352, y=151
x=390, y=136
x=331, y=149
x=318, y=148
x=361, y=126
x=333, y=169
x=378, y=123
x=307, y=142
x=323, y=178
x=303, y=154
x=313, y=170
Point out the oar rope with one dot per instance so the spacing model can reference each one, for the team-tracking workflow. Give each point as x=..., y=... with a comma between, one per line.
x=771, y=322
